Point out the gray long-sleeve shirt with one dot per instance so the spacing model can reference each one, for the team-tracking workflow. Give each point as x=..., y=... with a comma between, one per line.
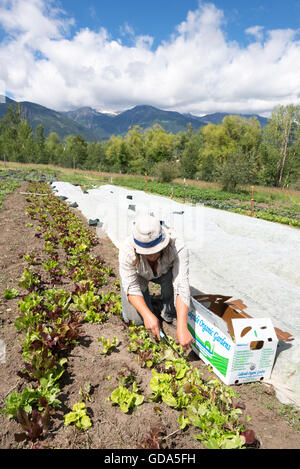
x=136, y=272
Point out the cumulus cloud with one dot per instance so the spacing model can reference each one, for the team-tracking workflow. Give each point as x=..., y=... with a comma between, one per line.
x=256, y=31
x=197, y=70
x=2, y=91
x=127, y=29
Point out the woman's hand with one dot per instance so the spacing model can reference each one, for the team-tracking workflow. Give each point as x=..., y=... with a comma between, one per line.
x=152, y=324
x=184, y=337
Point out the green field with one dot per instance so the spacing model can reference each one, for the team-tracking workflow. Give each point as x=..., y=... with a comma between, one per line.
x=272, y=204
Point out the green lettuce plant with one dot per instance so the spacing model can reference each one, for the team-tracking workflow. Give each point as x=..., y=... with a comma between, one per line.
x=108, y=346
x=126, y=399
x=10, y=294
x=31, y=398
x=30, y=280
x=78, y=417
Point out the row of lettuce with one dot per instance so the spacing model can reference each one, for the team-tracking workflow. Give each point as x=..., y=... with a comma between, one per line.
x=51, y=321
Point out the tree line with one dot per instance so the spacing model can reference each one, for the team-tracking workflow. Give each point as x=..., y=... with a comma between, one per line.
x=236, y=152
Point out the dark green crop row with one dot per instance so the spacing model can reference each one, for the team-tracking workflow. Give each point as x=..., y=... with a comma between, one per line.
x=179, y=191
x=216, y=199
x=27, y=175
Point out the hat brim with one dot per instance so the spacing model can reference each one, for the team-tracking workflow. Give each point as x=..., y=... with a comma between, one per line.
x=155, y=249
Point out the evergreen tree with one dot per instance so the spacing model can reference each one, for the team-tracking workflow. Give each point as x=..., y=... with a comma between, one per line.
x=13, y=135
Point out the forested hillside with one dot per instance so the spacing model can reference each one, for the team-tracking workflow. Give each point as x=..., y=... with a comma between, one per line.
x=49, y=119
x=93, y=125
x=235, y=152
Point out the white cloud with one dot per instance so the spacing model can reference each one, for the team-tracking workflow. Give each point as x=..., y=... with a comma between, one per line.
x=256, y=31
x=32, y=20
x=127, y=29
x=198, y=70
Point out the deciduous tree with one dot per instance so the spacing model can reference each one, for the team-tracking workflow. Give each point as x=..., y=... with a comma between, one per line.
x=281, y=141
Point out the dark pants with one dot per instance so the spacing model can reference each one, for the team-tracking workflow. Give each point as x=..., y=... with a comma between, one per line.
x=167, y=298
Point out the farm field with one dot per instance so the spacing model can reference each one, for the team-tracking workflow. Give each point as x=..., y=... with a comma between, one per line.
x=70, y=346
x=269, y=203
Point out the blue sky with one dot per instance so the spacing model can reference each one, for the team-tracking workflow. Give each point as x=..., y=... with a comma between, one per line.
x=158, y=18
x=185, y=55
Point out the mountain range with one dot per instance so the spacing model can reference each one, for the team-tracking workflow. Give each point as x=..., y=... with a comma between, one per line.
x=94, y=126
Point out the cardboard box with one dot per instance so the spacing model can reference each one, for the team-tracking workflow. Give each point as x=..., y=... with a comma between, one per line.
x=239, y=348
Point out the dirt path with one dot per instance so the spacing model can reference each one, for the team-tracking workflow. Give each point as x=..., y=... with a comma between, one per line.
x=111, y=429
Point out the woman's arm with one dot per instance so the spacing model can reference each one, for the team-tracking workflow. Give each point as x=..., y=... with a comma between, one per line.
x=181, y=286
x=184, y=336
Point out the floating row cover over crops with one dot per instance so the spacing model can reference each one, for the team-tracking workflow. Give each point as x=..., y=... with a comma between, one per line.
x=231, y=254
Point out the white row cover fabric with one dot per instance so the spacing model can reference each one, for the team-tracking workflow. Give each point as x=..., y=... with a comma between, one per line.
x=230, y=254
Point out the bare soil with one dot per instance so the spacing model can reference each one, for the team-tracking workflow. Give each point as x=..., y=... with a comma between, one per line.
x=111, y=429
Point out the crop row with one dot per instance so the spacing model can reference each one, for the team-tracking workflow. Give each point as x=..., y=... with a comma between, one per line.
x=51, y=318
x=180, y=191
x=216, y=199
x=29, y=175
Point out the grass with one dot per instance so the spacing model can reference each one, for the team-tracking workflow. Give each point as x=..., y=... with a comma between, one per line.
x=289, y=412
x=292, y=415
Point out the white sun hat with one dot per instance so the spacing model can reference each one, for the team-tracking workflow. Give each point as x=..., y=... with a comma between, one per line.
x=149, y=237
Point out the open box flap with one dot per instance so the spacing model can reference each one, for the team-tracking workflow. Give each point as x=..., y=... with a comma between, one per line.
x=248, y=330
x=211, y=297
x=238, y=305
x=215, y=303
x=233, y=309
x=281, y=335
x=203, y=306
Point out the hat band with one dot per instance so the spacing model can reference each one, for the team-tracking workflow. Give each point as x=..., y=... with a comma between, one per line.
x=151, y=244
